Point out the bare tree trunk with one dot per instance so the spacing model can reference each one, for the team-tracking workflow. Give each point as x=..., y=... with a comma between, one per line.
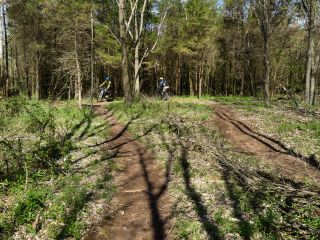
x=138, y=33
x=92, y=55
x=37, y=83
x=190, y=83
x=312, y=89
x=262, y=11
x=242, y=81
x=266, y=82
x=136, y=70
x=310, y=20
x=309, y=69
x=312, y=62
x=4, y=16
x=200, y=82
x=33, y=82
x=17, y=65
x=78, y=69
x=315, y=67
x=26, y=70
x=124, y=50
x=178, y=77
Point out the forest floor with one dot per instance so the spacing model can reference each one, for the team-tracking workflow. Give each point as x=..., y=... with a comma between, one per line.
x=221, y=178
x=216, y=168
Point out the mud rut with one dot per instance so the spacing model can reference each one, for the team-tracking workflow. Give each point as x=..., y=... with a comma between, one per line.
x=286, y=161
x=142, y=206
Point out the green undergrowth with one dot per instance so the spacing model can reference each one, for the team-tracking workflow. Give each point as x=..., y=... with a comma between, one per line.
x=217, y=192
x=51, y=171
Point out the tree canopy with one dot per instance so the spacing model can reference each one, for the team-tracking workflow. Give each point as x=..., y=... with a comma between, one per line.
x=62, y=49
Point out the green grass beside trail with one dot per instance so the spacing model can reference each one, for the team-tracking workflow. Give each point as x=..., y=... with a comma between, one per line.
x=50, y=180
x=217, y=192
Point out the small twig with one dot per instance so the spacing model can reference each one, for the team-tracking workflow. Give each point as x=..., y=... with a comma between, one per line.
x=173, y=225
x=26, y=170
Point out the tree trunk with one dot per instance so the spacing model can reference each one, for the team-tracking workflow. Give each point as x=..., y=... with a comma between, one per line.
x=124, y=52
x=78, y=69
x=17, y=65
x=92, y=56
x=266, y=82
x=136, y=70
x=178, y=77
x=6, y=85
x=312, y=62
x=200, y=82
x=190, y=83
x=264, y=28
x=308, y=70
x=37, y=83
x=310, y=55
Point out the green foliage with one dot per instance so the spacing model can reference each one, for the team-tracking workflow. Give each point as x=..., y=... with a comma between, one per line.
x=39, y=118
x=159, y=109
x=37, y=176
x=66, y=207
x=29, y=206
x=186, y=229
x=312, y=127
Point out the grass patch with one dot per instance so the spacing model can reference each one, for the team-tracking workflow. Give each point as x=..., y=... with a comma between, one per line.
x=49, y=175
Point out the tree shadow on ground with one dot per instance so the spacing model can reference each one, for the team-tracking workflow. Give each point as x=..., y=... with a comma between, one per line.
x=195, y=197
x=261, y=189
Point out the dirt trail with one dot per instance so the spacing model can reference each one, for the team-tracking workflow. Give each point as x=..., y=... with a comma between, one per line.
x=292, y=164
x=140, y=209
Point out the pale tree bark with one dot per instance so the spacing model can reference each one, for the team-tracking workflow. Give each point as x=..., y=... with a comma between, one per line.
x=78, y=71
x=315, y=67
x=92, y=54
x=200, y=79
x=139, y=28
x=138, y=33
x=124, y=50
x=312, y=63
x=136, y=18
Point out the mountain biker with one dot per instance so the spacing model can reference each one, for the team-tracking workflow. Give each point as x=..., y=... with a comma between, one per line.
x=162, y=84
x=163, y=87
x=105, y=86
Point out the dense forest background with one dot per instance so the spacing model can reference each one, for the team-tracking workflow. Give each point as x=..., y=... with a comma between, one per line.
x=63, y=49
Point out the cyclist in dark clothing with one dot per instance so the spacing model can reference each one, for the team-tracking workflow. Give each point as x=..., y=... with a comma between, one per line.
x=162, y=84
x=163, y=88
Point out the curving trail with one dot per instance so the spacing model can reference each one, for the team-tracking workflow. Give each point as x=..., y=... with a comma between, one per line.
x=141, y=206
x=288, y=162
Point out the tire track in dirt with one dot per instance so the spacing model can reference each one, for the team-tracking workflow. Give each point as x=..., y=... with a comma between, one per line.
x=283, y=159
x=140, y=210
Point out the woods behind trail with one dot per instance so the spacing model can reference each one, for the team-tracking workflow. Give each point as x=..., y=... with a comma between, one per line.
x=201, y=47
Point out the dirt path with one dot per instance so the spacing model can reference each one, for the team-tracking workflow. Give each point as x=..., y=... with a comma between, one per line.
x=140, y=208
x=291, y=164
